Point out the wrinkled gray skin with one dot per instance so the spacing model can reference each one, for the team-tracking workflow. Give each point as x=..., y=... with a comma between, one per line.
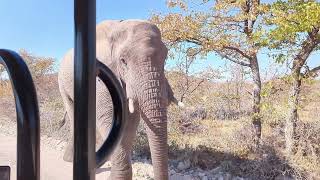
x=135, y=53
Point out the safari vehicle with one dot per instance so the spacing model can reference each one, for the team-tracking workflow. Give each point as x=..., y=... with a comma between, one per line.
x=87, y=68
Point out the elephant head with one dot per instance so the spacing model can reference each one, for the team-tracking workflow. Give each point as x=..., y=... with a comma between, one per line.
x=136, y=53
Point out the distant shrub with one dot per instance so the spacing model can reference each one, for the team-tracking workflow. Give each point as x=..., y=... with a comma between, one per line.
x=5, y=88
x=38, y=65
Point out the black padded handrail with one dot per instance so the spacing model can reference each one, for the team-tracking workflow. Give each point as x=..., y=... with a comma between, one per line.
x=119, y=113
x=84, y=160
x=86, y=68
x=28, y=138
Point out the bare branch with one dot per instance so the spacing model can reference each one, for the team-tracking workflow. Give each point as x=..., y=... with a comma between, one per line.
x=307, y=48
x=315, y=70
x=311, y=72
x=238, y=50
x=242, y=63
x=194, y=41
x=199, y=83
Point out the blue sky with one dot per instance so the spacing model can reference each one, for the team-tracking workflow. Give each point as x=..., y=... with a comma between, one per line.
x=45, y=27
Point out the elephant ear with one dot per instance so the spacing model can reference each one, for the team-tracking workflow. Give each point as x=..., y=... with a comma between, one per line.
x=114, y=68
x=112, y=65
x=171, y=97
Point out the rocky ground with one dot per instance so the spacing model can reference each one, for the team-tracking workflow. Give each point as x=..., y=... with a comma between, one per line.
x=53, y=167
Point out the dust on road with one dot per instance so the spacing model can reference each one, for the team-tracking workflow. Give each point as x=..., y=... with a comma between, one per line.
x=52, y=165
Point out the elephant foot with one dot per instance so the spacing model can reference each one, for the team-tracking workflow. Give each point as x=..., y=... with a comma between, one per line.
x=121, y=170
x=121, y=175
x=68, y=154
x=68, y=157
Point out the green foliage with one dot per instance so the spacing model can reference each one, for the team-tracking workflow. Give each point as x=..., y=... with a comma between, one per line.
x=280, y=58
x=292, y=19
x=292, y=24
x=232, y=29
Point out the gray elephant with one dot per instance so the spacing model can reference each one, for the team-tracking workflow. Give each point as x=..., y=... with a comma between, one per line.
x=133, y=50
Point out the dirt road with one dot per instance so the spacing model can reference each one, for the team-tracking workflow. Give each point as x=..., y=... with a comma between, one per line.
x=54, y=168
x=52, y=165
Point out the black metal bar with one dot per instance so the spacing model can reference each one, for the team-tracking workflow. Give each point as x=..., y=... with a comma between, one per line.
x=84, y=90
x=119, y=113
x=28, y=139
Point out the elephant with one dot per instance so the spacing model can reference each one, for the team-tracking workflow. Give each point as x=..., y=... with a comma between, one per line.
x=135, y=53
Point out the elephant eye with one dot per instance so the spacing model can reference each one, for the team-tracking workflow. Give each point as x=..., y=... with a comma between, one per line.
x=124, y=61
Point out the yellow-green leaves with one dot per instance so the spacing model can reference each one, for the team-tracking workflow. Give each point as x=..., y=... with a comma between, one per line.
x=177, y=3
x=292, y=20
x=233, y=28
x=38, y=66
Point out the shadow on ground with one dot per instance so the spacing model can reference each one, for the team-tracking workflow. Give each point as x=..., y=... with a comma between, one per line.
x=265, y=164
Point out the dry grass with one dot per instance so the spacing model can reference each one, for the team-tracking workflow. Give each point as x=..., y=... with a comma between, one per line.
x=5, y=89
x=217, y=136
x=49, y=100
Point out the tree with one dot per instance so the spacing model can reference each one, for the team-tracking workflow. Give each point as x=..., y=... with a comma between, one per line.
x=38, y=65
x=190, y=79
x=294, y=36
x=2, y=70
x=232, y=29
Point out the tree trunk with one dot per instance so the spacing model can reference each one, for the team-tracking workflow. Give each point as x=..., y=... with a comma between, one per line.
x=300, y=59
x=256, y=117
x=291, y=122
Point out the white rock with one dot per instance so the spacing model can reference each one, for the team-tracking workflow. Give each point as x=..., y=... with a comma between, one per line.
x=180, y=166
x=237, y=178
x=227, y=177
x=282, y=177
x=265, y=156
x=176, y=177
x=187, y=177
x=220, y=177
x=204, y=178
x=184, y=165
x=216, y=170
x=171, y=172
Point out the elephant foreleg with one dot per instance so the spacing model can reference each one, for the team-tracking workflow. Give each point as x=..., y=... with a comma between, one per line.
x=69, y=151
x=121, y=159
x=68, y=154
x=102, y=110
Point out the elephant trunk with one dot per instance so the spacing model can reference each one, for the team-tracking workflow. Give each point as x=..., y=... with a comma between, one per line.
x=153, y=103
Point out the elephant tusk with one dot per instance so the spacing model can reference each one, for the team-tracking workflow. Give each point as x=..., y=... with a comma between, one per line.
x=178, y=103
x=131, y=106
x=181, y=104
